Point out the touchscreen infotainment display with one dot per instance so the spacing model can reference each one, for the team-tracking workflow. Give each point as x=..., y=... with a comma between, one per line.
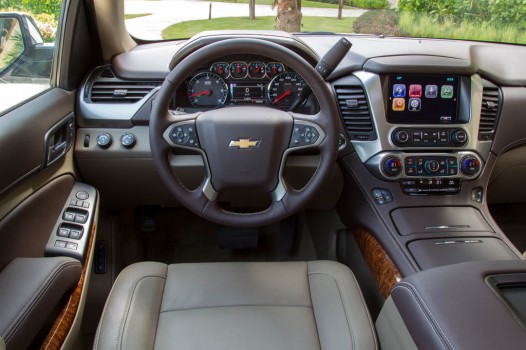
x=420, y=99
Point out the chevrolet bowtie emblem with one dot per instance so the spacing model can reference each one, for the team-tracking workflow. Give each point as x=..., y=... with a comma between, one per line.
x=244, y=143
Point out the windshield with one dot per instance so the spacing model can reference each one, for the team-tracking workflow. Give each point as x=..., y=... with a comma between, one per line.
x=485, y=20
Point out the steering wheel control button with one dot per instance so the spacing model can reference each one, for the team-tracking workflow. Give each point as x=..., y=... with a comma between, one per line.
x=304, y=135
x=104, y=140
x=184, y=135
x=470, y=165
x=392, y=166
x=382, y=196
x=128, y=140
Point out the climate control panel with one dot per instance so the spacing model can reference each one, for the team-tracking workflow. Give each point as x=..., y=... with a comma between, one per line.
x=465, y=165
x=418, y=137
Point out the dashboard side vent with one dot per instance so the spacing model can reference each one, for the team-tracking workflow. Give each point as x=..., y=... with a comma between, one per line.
x=107, y=73
x=355, y=112
x=120, y=91
x=489, y=113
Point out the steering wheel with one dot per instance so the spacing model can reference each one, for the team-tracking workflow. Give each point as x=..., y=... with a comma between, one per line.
x=244, y=147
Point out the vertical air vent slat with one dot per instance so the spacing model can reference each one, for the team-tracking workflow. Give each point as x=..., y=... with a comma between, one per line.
x=489, y=113
x=355, y=112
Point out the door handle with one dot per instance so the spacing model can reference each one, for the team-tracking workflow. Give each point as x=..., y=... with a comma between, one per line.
x=58, y=140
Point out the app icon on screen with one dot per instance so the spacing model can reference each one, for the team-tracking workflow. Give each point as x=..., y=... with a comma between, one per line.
x=431, y=91
x=398, y=104
x=415, y=104
x=415, y=91
x=399, y=90
x=446, y=91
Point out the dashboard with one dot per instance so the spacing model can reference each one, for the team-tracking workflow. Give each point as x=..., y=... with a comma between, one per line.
x=244, y=80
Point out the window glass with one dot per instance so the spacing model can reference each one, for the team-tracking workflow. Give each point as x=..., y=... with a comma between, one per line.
x=27, y=41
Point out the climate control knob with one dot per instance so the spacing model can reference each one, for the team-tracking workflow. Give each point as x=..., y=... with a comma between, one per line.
x=459, y=137
x=470, y=165
x=392, y=166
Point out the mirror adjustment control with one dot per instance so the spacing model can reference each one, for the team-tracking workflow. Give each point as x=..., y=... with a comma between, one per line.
x=392, y=166
x=104, y=140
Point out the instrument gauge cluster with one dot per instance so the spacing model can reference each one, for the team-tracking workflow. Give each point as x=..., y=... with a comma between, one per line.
x=240, y=82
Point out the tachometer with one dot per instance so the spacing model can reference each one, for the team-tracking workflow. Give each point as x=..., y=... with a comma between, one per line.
x=207, y=89
x=285, y=88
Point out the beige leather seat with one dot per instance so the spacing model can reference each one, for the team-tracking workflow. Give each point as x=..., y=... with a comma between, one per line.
x=291, y=305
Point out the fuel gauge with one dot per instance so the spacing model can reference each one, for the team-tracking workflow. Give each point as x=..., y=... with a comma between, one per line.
x=256, y=70
x=220, y=68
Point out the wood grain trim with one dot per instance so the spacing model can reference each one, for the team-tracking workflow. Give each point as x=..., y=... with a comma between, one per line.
x=384, y=271
x=64, y=321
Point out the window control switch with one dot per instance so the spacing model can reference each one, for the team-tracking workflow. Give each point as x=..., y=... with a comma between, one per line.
x=81, y=218
x=75, y=234
x=63, y=232
x=68, y=216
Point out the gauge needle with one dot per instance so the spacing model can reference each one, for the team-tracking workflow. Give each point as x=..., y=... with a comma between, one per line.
x=220, y=70
x=239, y=68
x=258, y=69
x=205, y=92
x=274, y=70
x=285, y=94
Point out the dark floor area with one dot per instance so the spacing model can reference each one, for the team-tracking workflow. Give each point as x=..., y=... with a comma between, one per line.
x=511, y=218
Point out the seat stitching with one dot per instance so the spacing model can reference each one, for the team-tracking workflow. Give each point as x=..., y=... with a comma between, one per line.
x=127, y=307
x=428, y=311
x=160, y=306
x=33, y=301
x=423, y=312
x=343, y=303
x=225, y=306
x=312, y=306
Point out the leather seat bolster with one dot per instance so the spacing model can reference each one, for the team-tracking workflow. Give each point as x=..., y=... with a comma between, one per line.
x=30, y=289
x=339, y=309
x=132, y=309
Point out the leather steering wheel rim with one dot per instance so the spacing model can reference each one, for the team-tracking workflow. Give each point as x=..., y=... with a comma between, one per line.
x=288, y=201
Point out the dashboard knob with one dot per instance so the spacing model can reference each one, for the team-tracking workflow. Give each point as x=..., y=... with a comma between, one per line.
x=432, y=166
x=104, y=140
x=470, y=165
x=128, y=140
x=401, y=136
x=392, y=166
x=459, y=137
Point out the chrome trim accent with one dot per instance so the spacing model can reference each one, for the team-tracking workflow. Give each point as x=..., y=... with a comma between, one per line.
x=281, y=189
x=445, y=227
x=208, y=190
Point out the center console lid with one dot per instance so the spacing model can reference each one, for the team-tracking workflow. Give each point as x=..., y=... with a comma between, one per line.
x=453, y=307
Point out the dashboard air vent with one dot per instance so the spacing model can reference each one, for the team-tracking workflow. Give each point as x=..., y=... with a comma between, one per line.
x=107, y=73
x=489, y=113
x=120, y=92
x=355, y=112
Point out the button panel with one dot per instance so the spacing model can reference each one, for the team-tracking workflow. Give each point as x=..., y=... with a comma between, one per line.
x=304, y=135
x=443, y=137
x=70, y=236
x=184, y=135
x=430, y=166
x=431, y=186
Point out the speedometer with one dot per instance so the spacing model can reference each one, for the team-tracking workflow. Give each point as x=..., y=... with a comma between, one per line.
x=207, y=89
x=285, y=88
